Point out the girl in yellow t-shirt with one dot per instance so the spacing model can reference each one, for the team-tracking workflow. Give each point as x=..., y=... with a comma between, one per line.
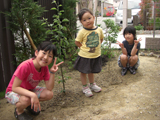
x=89, y=41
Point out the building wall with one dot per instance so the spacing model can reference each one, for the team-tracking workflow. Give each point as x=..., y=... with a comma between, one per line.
x=116, y=3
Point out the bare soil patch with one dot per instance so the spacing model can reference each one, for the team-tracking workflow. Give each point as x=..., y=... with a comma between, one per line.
x=129, y=97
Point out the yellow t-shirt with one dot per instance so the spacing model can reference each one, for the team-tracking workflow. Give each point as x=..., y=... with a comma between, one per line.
x=91, y=42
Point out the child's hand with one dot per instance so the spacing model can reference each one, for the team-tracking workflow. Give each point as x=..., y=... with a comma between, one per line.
x=35, y=103
x=120, y=44
x=137, y=41
x=54, y=68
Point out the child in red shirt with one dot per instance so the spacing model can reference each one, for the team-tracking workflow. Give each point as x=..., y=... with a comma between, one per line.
x=23, y=91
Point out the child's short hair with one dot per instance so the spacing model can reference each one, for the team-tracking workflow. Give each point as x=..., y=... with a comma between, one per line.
x=82, y=11
x=130, y=29
x=47, y=45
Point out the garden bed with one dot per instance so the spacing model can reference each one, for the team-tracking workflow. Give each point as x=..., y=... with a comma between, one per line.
x=122, y=97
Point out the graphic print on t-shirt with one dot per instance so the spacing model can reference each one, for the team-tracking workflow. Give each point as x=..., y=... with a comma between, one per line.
x=92, y=41
x=33, y=82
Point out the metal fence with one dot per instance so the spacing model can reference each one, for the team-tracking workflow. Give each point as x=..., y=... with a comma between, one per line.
x=47, y=4
x=151, y=17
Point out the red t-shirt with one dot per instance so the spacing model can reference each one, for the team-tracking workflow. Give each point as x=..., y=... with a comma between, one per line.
x=29, y=75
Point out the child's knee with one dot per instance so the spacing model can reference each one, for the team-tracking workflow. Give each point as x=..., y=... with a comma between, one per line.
x=124, y=57
x=48, y=95
x=134, y=58
x=25, y=100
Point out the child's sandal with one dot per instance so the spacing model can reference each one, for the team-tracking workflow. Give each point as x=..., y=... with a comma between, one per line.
x=32, y=110
x=22, y=116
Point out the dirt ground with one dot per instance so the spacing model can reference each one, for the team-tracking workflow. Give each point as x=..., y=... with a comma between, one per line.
x=129, y=97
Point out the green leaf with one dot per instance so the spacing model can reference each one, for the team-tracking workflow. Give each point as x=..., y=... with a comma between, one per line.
x=54, y=1
x=65, y=20
x=43, y=24
x=53, y=8
x=60, y=81
x=62, y=11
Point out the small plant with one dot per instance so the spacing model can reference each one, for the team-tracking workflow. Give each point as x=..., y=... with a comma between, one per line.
x=72, y=58
x=111, y=34
x=139, y=27
x=69, y=13
x=107, y=53
x=57, y=30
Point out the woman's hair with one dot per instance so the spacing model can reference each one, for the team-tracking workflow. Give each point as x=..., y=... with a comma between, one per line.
x=82, y=11
x=47, y=46
x=130, y=29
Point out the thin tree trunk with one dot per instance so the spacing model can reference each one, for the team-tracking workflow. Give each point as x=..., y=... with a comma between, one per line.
x=30, y=39
x=63, y=80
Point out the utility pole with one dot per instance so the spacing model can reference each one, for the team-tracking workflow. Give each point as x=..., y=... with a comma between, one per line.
x=154, y=17
x=93, y=6
x=102, y=3
x=125, y=7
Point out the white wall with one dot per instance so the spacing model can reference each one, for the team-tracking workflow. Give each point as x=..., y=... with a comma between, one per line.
x=116, y=4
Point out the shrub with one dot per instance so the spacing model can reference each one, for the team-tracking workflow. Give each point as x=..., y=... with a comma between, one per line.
x=144, y=5
x=139, y=27
x=157, y=23
x=112, y=30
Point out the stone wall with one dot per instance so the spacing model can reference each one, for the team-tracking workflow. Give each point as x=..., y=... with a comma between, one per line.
x=152, y=43
x=148, y=32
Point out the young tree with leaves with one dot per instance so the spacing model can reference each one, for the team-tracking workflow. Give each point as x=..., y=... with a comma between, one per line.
x=26, y=26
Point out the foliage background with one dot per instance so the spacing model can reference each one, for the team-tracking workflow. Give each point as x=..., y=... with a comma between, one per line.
x=24, y=16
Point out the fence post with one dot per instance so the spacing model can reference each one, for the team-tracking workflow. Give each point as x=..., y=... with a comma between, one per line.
x=6, y=47
x=2, y=87
x=144, y=19
x=154, y=17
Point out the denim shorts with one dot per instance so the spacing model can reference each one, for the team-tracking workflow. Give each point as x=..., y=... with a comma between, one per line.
x=13, y=97
x=135, y=66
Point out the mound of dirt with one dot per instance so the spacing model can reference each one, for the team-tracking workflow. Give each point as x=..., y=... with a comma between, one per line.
x=129, y=97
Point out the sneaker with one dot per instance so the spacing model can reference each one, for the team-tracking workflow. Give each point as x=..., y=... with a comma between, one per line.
x=32, y=110
x=22, y=116
x=132, y=70
x=124, y=71
x=95, y=88
x=87, y=91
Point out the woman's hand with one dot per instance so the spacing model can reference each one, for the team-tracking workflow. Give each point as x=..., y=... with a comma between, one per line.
x=54, y=68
